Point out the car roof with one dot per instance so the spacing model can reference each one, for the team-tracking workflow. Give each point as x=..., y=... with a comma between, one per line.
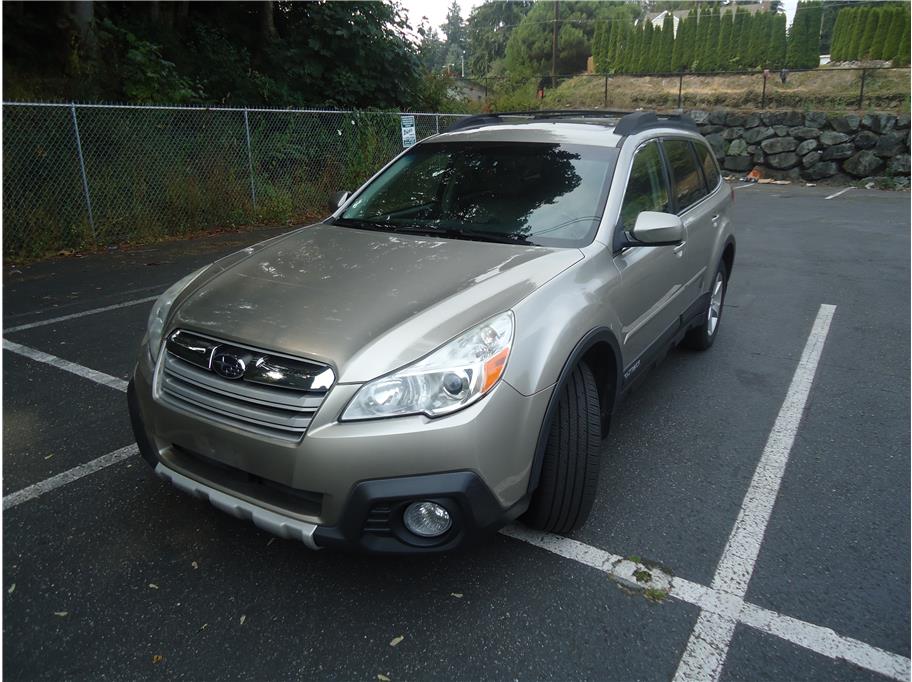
x=602, y=128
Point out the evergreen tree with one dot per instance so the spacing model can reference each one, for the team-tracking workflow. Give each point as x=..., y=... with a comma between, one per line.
x=702, y=48
x=756, y=38
x=837, y=44
x=778, y=43
x=726, y=26
x=870, y=28
x=644, y=57
x=853, y=32
x=898, y=17
x=667, y=51
x=712, y=51
x=815, y=23
x=598, y=40
x=880, y=33
x=902, y=52
x=739, y=35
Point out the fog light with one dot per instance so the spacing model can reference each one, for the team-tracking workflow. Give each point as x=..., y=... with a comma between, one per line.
x=427, y=519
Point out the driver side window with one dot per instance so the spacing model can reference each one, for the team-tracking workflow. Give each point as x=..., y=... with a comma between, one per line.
x=646, y=188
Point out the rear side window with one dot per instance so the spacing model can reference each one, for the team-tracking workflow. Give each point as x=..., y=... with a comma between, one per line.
x=710, y=167
x=685, y=174
x=646, y=188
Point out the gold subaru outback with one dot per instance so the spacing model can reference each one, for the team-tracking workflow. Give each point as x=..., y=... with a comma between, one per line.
x=443, y=353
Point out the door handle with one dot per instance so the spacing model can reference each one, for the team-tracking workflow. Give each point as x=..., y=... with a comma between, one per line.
x=679, y=249
x=716, y=218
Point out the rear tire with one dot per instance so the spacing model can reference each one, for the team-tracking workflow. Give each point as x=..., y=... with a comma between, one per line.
x=569, y=475
x=702, y=337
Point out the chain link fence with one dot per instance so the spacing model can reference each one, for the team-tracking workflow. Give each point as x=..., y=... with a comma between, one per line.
x=80, y=176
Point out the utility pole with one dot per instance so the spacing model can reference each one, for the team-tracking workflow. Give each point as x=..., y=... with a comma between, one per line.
x=554, y=45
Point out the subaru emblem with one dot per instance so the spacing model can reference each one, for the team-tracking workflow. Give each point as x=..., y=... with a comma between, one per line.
x=228, y=365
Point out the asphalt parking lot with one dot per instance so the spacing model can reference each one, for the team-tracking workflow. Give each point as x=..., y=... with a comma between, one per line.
x=803, y=402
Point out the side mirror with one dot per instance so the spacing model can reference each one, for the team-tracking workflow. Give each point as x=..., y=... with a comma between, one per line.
x=653, y=228
x=336, y=199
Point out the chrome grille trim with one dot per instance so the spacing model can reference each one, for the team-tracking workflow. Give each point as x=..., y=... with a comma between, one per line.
x=278, y=412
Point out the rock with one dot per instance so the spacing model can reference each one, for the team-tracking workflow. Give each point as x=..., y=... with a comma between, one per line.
x=732, y=133
x=757, y=158
x=772, y=118
x=845, y=124
x=717, y=118
x=830, y=137
x=902, y=121
x=810, y=159
x=815, y=119
x=782, y=161
x=824, y=169
x=733, y=119
x=717, y=144
x=865, y=139
x=793, y=118
x=901, y=182
x=781, y=131
x=699, y=116
x=879, y=123
x=709, y=130
x=755, y=135
x=806, y=146
x=751, y=121
x=804, y=133
x=838, y=151
x=737, y=148
x=890, y=144
x=862, y=163
x=793, y=175
x=898, y=165
x=777, y=145
x=737, y=163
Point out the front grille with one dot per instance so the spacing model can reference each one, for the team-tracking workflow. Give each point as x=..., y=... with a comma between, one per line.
x=282, y=409
x=378, y=520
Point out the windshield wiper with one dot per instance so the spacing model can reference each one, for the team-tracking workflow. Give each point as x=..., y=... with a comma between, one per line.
x=470, y=235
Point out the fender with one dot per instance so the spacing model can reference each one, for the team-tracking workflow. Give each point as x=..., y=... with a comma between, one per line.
x=594, y=336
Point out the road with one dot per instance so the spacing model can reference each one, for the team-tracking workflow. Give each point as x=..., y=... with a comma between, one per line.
x=800, y=409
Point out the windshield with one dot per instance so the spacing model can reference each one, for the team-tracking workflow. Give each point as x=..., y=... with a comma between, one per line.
x=527, y=193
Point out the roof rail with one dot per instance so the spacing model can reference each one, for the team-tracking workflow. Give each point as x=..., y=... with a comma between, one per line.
x=630, y=121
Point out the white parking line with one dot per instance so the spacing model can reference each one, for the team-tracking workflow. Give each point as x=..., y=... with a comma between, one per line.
x=708, y=646
x=73, y=316
x=74, y=474
x=66, y=365
x=746, y=185
x=839, y=193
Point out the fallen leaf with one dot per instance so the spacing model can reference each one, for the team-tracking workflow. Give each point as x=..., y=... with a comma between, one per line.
x=195, y=565
x=157, y=658
x=458, y=595
x=243, y=618
x=382, y=677
x=11, y=588
x=61, y=614
x=271, y=540
x=205, y=625
x=153, y=586
x=395, y=641
x=49, y=456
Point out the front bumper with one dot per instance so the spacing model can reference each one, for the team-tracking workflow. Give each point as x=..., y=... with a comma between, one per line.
x=345, y=484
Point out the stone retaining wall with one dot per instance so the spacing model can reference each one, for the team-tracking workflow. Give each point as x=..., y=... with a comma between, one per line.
x=812, y=146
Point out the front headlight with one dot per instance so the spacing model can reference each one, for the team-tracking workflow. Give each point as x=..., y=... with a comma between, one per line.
x=450, y=378
x=160, y=312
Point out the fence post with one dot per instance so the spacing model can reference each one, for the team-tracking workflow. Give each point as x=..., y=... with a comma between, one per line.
x=82, y=170
x=250, y=159
x=681, y=88
x=864, y=73
x=437, y=122
x=606, y=90
x=763, y=96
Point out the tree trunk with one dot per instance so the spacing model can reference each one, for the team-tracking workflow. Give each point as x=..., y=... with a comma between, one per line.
x=267, y=21
x=83, y=16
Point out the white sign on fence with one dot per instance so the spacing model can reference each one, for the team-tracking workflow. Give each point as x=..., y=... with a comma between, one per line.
x=408, y=131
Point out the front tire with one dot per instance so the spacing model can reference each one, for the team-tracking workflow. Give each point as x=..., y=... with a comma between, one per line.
x=569, y=475
x=703, y=336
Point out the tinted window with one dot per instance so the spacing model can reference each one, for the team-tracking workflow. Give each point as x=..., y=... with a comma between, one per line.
x=685, y=174
x=539, y=193
x=710, y=167
x=646, y=189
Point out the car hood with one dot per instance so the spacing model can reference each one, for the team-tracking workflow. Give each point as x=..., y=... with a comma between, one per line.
x=365, y=302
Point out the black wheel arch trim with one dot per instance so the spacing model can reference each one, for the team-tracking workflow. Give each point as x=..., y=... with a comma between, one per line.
x=593, y=337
